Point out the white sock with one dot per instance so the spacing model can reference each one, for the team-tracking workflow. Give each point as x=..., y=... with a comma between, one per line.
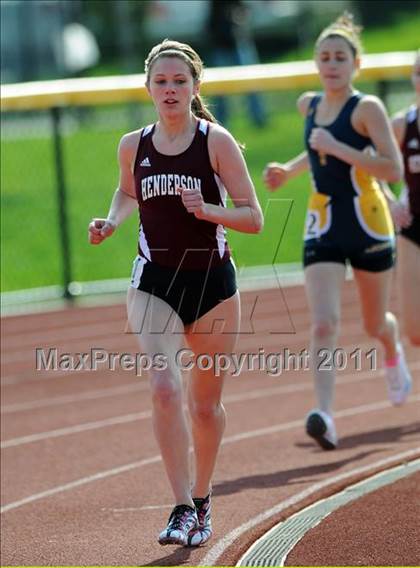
x=323, y=372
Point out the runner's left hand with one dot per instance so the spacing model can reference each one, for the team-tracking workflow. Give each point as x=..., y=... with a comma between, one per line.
x=322, y=141
x=193, y=201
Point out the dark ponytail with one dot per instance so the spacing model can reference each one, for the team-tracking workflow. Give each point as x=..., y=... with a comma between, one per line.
x=200, y=110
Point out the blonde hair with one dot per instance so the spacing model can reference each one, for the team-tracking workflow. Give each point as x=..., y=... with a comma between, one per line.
x=171, y=48
x=345, y=28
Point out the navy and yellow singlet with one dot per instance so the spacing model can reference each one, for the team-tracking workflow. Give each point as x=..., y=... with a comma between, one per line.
x=348, y=218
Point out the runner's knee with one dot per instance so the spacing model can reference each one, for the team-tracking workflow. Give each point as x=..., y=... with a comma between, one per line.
x=166, y=390
x=205, y=411
x=326, y=327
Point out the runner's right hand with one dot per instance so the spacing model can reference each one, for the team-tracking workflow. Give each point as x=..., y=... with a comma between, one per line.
x=275, y=175
x=99, y=230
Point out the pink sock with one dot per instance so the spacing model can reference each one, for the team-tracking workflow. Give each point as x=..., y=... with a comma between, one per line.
x=393, y=362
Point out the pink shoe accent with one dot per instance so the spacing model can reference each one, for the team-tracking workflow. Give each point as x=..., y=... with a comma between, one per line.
x=393, y=362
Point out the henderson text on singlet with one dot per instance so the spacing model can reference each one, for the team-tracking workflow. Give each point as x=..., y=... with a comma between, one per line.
x=167, y=184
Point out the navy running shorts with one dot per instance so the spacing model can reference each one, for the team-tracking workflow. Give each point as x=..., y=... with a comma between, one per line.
x=374, y=257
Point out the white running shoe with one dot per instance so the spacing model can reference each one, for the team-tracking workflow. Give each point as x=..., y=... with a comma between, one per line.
x=204, y=531
x=320, y=426
x=182, y=521
x=398, y=379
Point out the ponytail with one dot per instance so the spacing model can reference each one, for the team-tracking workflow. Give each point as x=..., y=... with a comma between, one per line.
x=345, y=28
x=200, y=110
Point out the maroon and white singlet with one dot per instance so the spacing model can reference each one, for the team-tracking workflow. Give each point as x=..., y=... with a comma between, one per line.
x=169, y=235
x=411, y=153
x=410, y=149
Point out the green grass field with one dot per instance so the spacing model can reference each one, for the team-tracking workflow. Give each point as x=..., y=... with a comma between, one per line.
x=403, y=36
x=29, y=228
x=30, y=233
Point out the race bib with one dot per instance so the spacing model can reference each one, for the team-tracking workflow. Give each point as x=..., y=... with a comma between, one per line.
x=318, y=216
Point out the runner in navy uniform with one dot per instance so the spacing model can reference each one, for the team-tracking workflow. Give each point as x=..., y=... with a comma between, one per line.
x=407, y=131
x=179, y=172
x=349, y=144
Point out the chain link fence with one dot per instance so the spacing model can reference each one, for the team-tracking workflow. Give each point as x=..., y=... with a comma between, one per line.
x=59, y=169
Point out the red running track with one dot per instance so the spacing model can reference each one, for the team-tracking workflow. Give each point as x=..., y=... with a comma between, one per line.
x=82, y=480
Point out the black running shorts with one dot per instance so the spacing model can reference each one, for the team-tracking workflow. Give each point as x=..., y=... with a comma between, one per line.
x=412, y=232
x=191, y=293
x=375, y=257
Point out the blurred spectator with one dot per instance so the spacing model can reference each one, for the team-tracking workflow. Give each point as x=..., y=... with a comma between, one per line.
x=232, y=43
x=76, y=49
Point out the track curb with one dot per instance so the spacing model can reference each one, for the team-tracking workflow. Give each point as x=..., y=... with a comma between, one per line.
x=274, y=546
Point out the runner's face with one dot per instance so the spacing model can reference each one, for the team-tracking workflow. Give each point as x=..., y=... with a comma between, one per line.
x=336, y=63
x=171, y=86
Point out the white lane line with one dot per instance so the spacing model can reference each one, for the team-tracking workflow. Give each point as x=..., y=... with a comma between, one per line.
x=59, y=432
x=299, y=423
x=155, y=459
x=247, y=343
x=133, y=417
x=219, y=548
x=101, y=292
x=70, y=398
x=139, y=385
x=100, y=393
x=127, y=418
x=137, y=509
x=274, y=546
x=79, y=482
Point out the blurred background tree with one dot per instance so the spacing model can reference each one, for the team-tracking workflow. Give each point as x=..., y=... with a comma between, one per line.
x=46, y=39
x=377, y=12
x=119, y=30
x=51, y=39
